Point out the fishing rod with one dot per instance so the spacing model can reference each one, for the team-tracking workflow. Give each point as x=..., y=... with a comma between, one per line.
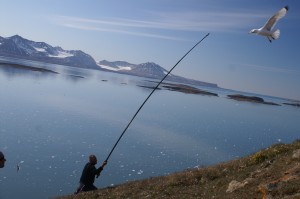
x=150, y=96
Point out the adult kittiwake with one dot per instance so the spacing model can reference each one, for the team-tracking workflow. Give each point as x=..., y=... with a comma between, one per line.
x=267, y=29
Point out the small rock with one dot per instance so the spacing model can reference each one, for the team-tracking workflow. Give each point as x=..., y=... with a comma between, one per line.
x=234, y=185
x=296, y=154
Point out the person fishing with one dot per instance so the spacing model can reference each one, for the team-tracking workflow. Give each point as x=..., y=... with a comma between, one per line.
x=2, y=160
x=89, y=172
x=88, y=175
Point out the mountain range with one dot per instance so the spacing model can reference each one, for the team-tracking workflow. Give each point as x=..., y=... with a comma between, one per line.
x=19, y=47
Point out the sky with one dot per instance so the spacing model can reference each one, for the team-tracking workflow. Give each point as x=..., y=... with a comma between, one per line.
x=162, y=31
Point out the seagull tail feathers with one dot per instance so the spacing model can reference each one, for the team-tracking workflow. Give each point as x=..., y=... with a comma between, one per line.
x=276, y=34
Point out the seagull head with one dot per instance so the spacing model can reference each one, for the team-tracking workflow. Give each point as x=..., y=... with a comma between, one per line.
x=253, y=31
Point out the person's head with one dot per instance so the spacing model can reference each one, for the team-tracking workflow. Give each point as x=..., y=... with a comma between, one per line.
x=2, y=160
x=93, y=159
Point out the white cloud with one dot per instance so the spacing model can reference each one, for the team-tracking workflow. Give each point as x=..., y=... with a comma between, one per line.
x=136, y=33
x=168, y=21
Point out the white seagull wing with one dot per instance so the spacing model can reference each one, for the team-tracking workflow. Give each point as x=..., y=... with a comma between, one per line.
x=273, y=20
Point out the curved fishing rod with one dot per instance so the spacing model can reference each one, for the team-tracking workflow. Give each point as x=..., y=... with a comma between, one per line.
x=150, y=96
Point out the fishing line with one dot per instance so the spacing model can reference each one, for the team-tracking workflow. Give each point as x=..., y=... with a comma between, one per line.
x=150, y=96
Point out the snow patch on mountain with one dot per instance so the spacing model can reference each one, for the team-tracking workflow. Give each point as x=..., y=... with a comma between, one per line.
x=62, y=54
x=40, y=49
x=165, y=72
x=119, y=68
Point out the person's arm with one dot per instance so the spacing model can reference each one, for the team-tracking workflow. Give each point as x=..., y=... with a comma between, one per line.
x=101, y=168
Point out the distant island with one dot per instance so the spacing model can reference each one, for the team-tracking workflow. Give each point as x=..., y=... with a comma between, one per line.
x=180, y=88
x=293, y=104
x=187, y=89
x=253, y=99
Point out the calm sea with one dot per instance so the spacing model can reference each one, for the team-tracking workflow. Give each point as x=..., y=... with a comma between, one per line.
x=50, y=123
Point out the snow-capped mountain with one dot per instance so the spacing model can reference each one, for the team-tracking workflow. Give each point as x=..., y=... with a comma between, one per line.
x=16, y=46
x=148, y=69
x=19, y=47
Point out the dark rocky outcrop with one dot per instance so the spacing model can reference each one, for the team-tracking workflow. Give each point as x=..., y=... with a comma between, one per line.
x=253, y=99
x=179, y=88
x=292, y=104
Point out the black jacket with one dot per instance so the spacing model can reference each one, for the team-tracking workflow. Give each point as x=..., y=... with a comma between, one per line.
x=88, y=174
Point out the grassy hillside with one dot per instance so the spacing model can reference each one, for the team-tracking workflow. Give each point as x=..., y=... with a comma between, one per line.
x=268, y=174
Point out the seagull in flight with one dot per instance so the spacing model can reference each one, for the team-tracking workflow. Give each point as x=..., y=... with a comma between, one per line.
x=267, y=29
